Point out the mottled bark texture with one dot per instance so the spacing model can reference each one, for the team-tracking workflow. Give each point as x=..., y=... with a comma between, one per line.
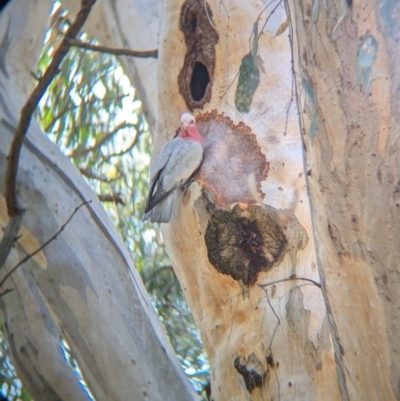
x=245, y=220
x=346, y=60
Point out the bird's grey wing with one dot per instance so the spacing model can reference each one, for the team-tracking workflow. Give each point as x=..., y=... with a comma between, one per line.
x=183, y=162
x=156, y=169
x=163, y=158
x=162, y=212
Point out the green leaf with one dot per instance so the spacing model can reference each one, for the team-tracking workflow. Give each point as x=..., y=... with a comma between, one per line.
x=249, y=79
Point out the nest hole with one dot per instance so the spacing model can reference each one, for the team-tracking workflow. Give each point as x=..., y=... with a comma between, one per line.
x=199, y=82
x=196, y=76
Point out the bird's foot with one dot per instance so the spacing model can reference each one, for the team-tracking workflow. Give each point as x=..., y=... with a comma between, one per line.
x=186, y=185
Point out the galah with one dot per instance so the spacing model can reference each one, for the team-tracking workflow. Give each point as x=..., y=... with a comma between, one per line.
x=176, y=163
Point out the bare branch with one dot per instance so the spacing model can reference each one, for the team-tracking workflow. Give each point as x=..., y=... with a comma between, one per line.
x=67, y=93
x=89, y=174
x=122, y=152
x=107, y=136
x=116, y=52
x=30, y=105
x=64, y=110
x=31, y=255
x=115, y=197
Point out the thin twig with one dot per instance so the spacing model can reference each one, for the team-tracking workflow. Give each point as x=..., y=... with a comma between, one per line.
x=8, y=290
x=277, y=317
x=258, y=18
x=269, y=16
x=64, y=110
x=122, y=152
x=66, y=95
x=112, y=50
x=31, y=104
x=289, y=105
x=31, y=255
x=106, y=137
x=289, y=279
x=270, y=305
x=272, y=339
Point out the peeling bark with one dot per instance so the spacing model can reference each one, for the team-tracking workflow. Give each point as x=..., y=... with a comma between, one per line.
x=223, y=241
x=346, y=62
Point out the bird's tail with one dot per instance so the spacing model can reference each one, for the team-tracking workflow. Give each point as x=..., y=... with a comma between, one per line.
x=162, y=211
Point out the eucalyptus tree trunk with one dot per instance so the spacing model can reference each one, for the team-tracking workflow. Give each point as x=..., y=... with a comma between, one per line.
x=346, y=59
x=83, y=286
x=279, y=321
x=241, y=239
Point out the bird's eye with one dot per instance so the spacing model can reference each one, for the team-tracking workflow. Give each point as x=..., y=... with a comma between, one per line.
x=192, y=122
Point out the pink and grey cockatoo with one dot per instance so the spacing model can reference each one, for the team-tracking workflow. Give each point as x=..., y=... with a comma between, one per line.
x=176, y=163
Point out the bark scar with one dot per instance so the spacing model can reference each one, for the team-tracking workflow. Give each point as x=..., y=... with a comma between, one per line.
x=196, y=76
x=252, y=371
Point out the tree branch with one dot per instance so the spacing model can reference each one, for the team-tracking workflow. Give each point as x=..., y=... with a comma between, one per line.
x=115, y=197
x=64, y=110
x=122, y=152
x=31, y=255
x=106, y=137
x=90, y=174
x=30, y=105
x=116, y=52
x=66, y=95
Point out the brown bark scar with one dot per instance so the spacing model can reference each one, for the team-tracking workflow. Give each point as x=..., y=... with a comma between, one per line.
x=196, y=76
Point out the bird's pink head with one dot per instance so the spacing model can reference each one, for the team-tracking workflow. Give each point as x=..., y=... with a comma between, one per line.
x=189, y=129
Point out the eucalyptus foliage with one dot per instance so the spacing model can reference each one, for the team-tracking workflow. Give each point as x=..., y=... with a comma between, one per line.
x=10, y=386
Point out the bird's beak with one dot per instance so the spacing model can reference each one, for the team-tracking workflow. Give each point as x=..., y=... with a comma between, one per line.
x=185, y=125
